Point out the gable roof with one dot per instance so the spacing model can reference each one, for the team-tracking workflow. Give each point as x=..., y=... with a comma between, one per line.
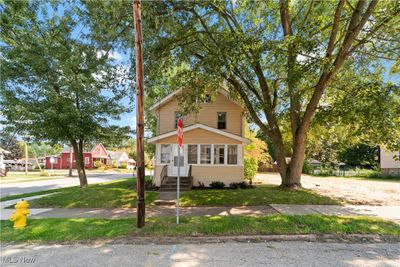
x=200, y=126
x=116, y=154
x=172, y=95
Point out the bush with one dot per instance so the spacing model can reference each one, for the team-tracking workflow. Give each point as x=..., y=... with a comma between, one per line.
x=150, y=186
x=98, y=164
x=250, y=168
x=123, y=165
x=242, y=185
x=217, y=185
x=307, y=167
x=44, y=173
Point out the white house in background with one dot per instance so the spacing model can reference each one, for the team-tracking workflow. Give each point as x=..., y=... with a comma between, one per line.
x=2, y=165
x=119, y=157
x=389, y=161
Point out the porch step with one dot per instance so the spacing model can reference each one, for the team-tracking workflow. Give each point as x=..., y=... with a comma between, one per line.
x=169, y=184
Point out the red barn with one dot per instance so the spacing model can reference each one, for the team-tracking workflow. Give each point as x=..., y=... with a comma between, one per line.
x=61, y=161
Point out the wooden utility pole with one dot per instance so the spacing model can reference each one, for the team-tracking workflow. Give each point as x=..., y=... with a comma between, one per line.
x=139, y=114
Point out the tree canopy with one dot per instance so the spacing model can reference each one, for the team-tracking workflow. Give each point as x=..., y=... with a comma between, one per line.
x=57, y=84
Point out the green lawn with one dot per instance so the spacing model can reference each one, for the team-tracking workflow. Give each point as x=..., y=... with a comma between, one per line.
x=116, y=194
x=91, y=229
x=260, y=195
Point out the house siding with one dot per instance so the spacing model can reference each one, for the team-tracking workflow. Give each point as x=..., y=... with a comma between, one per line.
x=387, y=162
x=200, y=136
x=166, y=115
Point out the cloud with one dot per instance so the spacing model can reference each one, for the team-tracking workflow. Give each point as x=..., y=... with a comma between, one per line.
x=111, y=55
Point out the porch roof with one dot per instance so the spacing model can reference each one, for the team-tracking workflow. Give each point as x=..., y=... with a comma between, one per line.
x=200, y=126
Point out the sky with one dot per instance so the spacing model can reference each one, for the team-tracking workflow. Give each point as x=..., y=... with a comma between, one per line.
x=122, y=58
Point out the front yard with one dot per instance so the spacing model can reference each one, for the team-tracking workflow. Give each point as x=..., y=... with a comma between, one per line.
x=115, y=194
x=49, y=230
x=259, y=195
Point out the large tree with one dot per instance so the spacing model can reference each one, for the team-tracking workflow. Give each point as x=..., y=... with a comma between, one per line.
x=279, y=58
x=57, y=85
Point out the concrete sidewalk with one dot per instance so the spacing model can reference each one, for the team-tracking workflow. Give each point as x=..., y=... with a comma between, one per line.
x=385, y=212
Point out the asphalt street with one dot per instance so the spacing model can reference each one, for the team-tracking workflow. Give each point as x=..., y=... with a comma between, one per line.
x=40, y=185
x=222, y=254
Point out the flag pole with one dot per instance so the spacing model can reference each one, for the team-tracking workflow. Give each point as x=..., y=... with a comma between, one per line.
x=139, y=114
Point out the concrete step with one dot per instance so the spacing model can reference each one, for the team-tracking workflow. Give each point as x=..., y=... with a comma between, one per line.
x=161, y=202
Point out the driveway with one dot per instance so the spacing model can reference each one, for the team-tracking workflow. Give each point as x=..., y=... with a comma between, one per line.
x=355, y=191
x=40, y=185
x=221, y=254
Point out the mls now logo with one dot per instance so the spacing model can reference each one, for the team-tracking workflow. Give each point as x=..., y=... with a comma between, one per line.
x=16, y=259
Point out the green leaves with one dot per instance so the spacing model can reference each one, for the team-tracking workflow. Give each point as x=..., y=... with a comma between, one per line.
x=56, y=85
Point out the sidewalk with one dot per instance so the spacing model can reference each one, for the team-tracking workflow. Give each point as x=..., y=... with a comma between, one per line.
x=385, y=212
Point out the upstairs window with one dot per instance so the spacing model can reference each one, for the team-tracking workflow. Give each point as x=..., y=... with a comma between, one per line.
x=221, y=120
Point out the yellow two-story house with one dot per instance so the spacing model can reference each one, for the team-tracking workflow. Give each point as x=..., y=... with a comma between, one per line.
x=213, y=141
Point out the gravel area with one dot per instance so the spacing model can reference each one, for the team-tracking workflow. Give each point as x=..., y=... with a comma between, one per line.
x=354, y=191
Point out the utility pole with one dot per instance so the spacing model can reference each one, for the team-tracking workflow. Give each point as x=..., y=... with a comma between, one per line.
x=139, y=114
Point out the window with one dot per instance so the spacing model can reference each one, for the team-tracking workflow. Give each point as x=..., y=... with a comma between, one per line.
x=232, y=154
x=165, y=153
x=55, y=160
x=219, y=154
x=192, y=154
x=176, y=118
x=221, y=120
x=205, y=154
x=87, y=160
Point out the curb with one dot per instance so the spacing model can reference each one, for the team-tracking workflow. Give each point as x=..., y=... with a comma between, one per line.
x=149, y=240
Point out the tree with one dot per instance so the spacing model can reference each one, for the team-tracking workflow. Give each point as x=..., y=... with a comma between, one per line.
x=57, y=84
x=10, y=143
x=279, y=58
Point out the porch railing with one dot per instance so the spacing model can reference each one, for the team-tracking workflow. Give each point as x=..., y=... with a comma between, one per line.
x=164, y=174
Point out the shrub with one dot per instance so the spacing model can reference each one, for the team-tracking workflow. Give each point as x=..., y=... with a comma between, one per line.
x=307, y=167
x=98, y=164
x=250, y=168
x=150, y=186
x=44, y=173
x=242, y=185
x=217, y=185
x=201, y=185
x=123, y=165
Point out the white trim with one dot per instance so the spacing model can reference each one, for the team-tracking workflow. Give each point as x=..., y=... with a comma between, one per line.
x=200, y=126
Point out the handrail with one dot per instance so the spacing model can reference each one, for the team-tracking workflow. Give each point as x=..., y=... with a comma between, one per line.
x=190, y=176
x=163, y=173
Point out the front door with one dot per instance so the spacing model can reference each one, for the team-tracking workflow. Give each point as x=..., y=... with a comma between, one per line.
x=174, y=162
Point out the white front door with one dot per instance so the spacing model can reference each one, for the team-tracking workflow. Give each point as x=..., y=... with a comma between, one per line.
x=174, y=161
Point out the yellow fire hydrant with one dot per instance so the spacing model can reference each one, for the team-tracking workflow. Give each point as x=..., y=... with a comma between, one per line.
x=20, y=213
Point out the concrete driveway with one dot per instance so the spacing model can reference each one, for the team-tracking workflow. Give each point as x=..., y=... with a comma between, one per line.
x=222, y=254
x=354, y=191
x=40, y=185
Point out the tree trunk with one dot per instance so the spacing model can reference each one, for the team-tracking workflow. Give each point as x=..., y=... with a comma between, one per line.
x=290, y=173
x=80, y=164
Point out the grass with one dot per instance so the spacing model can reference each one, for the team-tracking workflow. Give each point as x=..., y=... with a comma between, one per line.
x=92, y=229
x=115, y=194
x=260, y=195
